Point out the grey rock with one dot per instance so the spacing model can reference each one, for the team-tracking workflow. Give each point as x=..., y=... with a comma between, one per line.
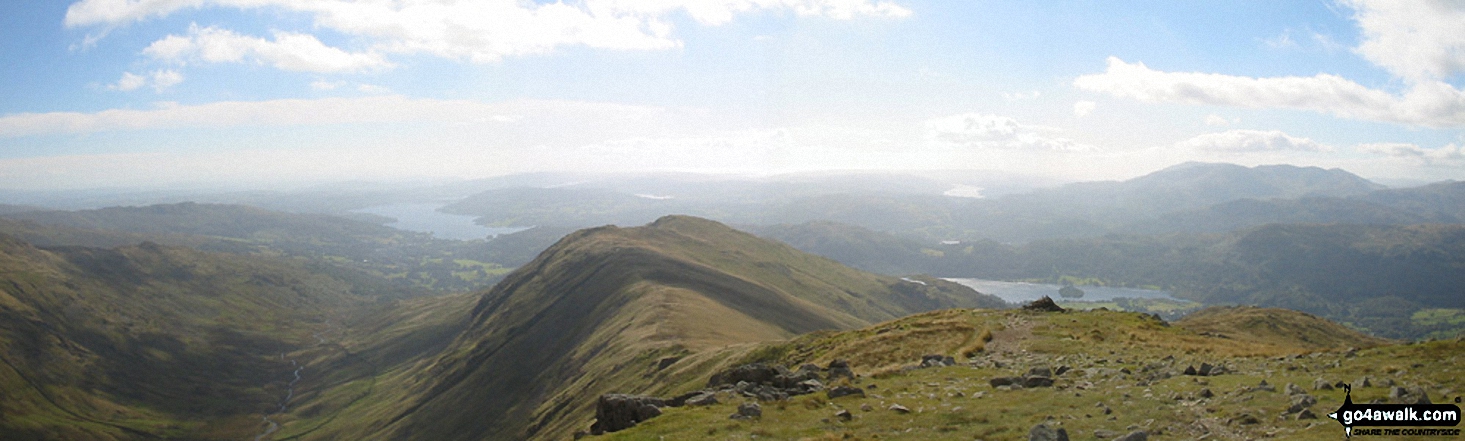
x=704, y=399
x=1036, y=381
x=1294, y=389
x=1412, y=395
x=1205, y=369
x=1321, y=384
x=748, y=411
x=1042, y=432
x=844, y=415
x=1138, y=435
x=1306, y=414
x=616, y=412
x=899, y=409
x=1300, y=402
x=840, y=391
x=840, y=368
x=1105, y=434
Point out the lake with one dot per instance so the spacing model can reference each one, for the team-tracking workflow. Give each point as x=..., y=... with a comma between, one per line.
x=424, y=217
x=1021, y=292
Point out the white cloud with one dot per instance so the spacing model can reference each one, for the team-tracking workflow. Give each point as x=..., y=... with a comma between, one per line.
x=487, y=30
x=323, y=85
x=1018, y=96
x=1450, y=154
x=1252, y=141
x=289, y=51
x=1433, y=103
x=1083, y=108
x=129, y=82
x=1216, y=120
x=160, y=80
x=1415, y=40
x=982, y=131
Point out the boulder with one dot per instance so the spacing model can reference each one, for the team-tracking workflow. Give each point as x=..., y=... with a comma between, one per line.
x=1036, y=381
x=936, y=360
x=841, y=391
x=1138, y=435
x=844, y=415
x=1044, y=304
x=702, y=399
x=1321, y=384
x=899, y=409
x=1412, y=395
x=840, y=368
x=616, y=412
x=756, y=373
x=1300, y=403
x=747, y=411
x=1294, y=389
x=1042, y=432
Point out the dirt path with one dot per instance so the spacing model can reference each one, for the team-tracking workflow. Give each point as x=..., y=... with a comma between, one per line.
x=1009, y=340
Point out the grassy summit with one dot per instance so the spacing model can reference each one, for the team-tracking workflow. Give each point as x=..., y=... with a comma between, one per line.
x=1125, y=372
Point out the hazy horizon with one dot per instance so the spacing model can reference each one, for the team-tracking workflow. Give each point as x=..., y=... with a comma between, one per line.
x=272, y=94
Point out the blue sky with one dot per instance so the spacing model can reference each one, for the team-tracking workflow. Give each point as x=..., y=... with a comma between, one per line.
x=156, y=93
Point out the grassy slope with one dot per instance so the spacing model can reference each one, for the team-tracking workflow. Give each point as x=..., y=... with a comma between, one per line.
x=146, y=341
x=596, y=312
x=958, y=403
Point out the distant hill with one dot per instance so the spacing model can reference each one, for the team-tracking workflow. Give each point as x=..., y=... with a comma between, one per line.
x=1095, y=208
x=413, y=260
x=605, y=309
x=150, y=341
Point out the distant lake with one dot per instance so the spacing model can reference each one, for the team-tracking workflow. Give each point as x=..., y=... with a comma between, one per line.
x=424, y=217
x=1020, y=292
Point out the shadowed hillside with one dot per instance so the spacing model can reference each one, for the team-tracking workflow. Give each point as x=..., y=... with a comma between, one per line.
x=150, y=341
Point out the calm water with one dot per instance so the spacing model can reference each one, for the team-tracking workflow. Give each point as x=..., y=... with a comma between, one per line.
x=1019, y=292
x=424, y=217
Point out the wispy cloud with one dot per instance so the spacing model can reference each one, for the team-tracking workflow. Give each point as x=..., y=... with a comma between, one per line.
x=1419, y=41
x=1452, y=154
x=288, y=51
x=477, y=30
x=983, y=131
x=1252, y=141
x=160, y=80
x=1434, y=103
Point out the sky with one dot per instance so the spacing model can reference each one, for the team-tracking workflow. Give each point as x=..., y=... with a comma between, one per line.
x=169, y=93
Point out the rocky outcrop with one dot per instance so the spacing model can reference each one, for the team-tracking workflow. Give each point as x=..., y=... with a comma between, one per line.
x=1044, y=304
x=616, y=412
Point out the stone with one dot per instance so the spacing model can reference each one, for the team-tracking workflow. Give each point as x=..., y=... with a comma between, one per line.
x=756, y=373
x=865, y=407
x=1300, y=402
x=616, y=412
x=1043, y=432
x=840, y=368
x=1105, y=434
x=1412, y=395
x=748, y=411
x=1205, y=392
x=844, y=415
x=1306, y=414
x=1321, y=384
x=1044, y=304
x=1205, y=370
x=899, y=409
x=1138, y=435
x=1061, y=370
x=840, y=391
x=1031, y=382
x=936, y=360
x=1246, y=419
x=1294, y=389
x=1040, y=372
x=703, y=399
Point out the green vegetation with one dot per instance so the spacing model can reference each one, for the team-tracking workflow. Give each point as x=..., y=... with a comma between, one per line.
x=152, y=341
